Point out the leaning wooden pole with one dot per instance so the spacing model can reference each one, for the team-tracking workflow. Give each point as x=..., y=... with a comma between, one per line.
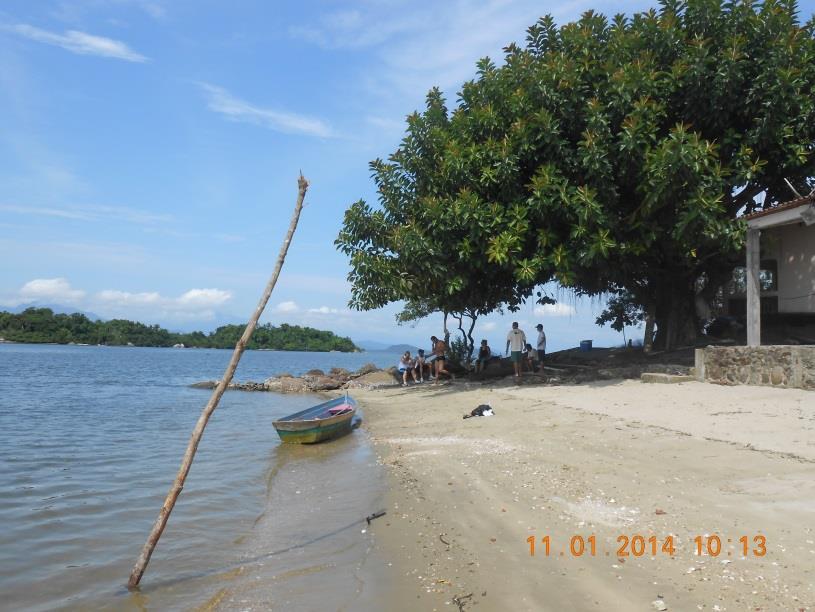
x=186, y=463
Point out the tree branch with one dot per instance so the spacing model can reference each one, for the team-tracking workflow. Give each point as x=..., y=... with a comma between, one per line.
x=198, y=431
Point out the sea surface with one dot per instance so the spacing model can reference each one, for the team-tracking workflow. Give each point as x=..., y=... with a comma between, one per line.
x=91, y=438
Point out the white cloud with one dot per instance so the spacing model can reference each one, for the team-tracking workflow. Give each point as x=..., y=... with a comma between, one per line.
x=147, y=306
x=124, y=298
x=91, y=213
x=78, y=42
x=194, y=300
x=43, y=211
x=150, y=306
x=555, y=310
x=350, y=29
x=219, y=100
x=287, y=307
x=417, y=47
x=77, y=12
x=329, y=310
x=205, y=297
x=488, y=326
x=49, y=290
x=324, y=310
x=155, y=10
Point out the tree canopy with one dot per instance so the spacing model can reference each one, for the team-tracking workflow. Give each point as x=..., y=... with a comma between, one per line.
x=611, y=155
x=39, y=325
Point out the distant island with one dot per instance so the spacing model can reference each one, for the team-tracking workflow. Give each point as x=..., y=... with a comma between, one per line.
x=373, y=345
x=42, y=325
x=401, y=348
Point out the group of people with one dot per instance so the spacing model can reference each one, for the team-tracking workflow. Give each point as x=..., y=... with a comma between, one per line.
x=519, y=350
x=435, y=365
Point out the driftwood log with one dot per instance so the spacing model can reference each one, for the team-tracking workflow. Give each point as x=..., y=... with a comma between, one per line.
x=198, y=431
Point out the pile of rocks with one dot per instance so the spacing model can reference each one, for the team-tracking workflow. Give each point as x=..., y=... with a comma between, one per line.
x=367, y=377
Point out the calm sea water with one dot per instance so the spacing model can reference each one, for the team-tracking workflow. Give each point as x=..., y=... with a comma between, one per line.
x=91, y=439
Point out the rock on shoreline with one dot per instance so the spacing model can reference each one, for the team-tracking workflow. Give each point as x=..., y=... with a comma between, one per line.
x=367, y=377
x=498, y=371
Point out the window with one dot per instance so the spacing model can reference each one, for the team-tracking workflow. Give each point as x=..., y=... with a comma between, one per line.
x=767, y=278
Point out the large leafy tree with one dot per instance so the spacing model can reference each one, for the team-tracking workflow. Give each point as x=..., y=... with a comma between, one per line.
x=611, y=156
x=428, y=243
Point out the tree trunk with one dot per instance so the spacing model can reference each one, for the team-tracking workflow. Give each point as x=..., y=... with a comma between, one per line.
x=460, y=319
x=471, y=343
x=198, y=431
x=648, y=338
x=676, y=317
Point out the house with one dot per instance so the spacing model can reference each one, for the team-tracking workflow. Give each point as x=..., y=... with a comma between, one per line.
x=779, y=275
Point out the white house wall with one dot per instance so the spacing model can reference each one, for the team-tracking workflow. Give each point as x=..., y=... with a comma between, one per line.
x=796, y=267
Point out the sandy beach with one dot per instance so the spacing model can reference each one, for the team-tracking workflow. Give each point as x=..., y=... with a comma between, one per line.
x=613, y=460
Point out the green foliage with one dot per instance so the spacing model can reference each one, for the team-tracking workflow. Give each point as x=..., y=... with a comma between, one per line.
x=606, y=155
x=460, y=354
x=40, y=325
x=621, y=311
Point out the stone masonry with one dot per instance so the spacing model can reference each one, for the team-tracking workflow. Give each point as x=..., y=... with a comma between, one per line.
x=775, y=366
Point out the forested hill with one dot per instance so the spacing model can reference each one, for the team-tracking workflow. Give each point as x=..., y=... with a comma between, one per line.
x=39, y=325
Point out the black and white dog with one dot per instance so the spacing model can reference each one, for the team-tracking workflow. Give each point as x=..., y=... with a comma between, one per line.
x=482, y=410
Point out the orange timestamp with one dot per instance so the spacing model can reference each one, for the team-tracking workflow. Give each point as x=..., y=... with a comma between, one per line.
x=636, y=545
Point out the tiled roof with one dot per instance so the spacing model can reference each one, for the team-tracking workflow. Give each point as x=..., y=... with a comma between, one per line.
x=808, y=199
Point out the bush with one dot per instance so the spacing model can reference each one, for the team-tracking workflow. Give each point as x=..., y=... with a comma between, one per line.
x=458, y=355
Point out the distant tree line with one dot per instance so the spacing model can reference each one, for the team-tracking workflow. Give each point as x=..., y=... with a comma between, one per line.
x=41, y=325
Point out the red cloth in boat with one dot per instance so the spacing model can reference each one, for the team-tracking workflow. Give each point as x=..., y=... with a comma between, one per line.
x=339, y=409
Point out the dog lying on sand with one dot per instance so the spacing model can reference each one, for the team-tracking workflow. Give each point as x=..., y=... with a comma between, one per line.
x=482, y=410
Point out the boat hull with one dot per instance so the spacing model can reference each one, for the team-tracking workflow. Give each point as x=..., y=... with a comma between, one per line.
x=315, y=434
x=317, y=424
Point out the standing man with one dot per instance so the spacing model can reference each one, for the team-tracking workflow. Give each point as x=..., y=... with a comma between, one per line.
x=439, y=350
x=541, y=346
x=516, y=340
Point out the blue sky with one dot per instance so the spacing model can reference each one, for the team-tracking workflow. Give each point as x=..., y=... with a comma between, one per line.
x=149, y=150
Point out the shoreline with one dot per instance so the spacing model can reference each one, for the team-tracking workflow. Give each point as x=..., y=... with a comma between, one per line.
x=609, y=459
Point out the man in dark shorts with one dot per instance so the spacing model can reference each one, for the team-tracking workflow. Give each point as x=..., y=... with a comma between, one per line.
x=439, y=350
x=541, y=348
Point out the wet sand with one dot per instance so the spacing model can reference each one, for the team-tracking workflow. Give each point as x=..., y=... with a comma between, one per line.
x=308, y=549
x=608, y=459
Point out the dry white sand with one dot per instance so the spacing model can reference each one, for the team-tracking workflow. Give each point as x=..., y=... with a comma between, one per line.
x=608, y=459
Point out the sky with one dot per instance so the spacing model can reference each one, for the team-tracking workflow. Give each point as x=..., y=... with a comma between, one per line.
x=150, y=149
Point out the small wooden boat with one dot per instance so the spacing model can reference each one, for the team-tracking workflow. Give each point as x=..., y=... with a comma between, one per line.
x=325, y=421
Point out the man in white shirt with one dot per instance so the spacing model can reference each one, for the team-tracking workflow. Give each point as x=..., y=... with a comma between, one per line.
x=516, y=340
x=541, y=347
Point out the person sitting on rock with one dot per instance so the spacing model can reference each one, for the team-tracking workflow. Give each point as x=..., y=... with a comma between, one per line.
x=405, y=366
x=419, y=365
x=527, y=356
x=484, y=354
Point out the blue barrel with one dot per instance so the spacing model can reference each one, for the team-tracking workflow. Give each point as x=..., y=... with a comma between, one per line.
x=585, y=346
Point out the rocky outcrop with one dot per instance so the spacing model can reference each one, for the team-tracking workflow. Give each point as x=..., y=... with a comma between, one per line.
x=367, y=377
x=371, y=377
x=375, y=380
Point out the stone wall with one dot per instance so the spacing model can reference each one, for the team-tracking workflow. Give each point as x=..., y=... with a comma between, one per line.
x=775, y=366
